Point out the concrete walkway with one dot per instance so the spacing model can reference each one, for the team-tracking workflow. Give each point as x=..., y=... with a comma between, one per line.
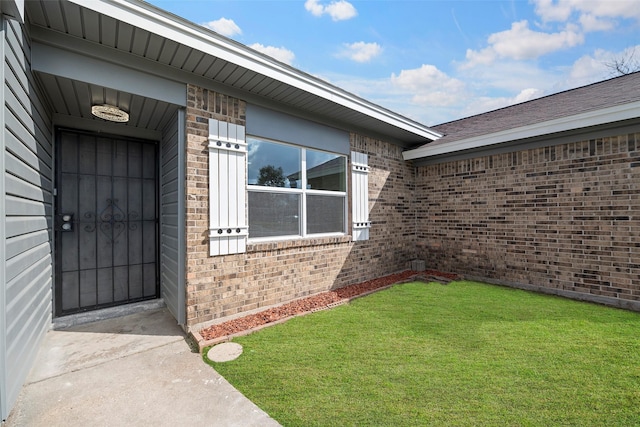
x=129, y=371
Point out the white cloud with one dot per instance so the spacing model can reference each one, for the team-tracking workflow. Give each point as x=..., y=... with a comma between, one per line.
x=482, y=104
x=506, y=76
x=588, y=68
x=594, y=15
x=527, y=95
x=280, y=53
x=429, y=86
x=224, y=26
x=522, y=43
x=485, y=84
x=432, y=96
x=437, y=97
x=550, y=11
x=571, y=19
x=599, y=65
x=314, y=7
x=485, y=56
x=413, y=93
x=592, y=23
x=339, y=10
x=361, y=51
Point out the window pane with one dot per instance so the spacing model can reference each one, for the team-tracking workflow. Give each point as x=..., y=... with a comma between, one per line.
x=273, y=165
x=326, y=171
x=325, y=214
x=274, y=214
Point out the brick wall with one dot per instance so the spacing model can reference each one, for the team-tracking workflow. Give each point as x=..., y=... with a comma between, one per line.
x=564, y=219
x=268, y=274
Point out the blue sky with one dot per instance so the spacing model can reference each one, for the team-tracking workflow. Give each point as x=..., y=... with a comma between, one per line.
x=434, y=61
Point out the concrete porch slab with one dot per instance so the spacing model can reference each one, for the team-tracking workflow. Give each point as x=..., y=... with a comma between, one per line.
x=133, y=370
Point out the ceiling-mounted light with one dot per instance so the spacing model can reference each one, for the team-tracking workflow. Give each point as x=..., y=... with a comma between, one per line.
x=110, y=112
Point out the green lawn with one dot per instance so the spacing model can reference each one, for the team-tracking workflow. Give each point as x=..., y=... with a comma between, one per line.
x=457, y=355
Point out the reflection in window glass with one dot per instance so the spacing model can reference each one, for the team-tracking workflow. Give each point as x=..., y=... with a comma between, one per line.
x=274, y=214
x=289, y=186
x=325, y=214
x=326, y=171
x=273, y=165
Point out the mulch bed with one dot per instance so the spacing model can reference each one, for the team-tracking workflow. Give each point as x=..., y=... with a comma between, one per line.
x=316, y=302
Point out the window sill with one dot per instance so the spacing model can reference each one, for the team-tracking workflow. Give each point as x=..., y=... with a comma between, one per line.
x=297, y=243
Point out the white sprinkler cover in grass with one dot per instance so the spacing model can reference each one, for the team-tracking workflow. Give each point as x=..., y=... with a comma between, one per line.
x=224, y=352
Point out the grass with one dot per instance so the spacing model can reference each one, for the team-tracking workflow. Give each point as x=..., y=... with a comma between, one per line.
x=457, y=355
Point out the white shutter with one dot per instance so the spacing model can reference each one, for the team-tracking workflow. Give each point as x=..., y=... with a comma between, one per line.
x=360, y=196
x=227, y=188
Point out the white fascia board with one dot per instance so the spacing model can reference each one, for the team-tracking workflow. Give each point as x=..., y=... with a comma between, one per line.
x=165, y=25
x=578, y=121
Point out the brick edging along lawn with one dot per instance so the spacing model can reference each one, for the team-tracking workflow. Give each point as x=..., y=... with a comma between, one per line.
x=242, y=326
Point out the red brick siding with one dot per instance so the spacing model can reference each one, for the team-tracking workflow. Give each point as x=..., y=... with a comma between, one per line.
x=275, y=273
x=565, y=217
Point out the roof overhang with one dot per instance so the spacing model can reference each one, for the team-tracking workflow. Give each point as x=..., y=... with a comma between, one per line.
x=325, y=97
x=564, y=124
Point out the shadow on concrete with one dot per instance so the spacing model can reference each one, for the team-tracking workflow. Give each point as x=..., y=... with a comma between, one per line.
x=131, y=370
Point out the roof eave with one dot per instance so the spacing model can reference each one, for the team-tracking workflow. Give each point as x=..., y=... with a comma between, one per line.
x=563, y=124
x=159, y=22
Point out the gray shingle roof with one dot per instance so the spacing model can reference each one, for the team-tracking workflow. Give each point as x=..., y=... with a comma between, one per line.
x=608, y=93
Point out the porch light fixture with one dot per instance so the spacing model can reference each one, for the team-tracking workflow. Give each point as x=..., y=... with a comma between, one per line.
x=110, y=112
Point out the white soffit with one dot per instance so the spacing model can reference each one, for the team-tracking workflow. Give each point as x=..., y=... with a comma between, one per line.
x=164, y=24
x=578, y=121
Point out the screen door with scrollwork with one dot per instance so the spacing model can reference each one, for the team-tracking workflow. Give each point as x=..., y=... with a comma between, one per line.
x=106, y=221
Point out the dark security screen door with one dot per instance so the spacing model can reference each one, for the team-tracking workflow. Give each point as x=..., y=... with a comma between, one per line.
x=106, y=221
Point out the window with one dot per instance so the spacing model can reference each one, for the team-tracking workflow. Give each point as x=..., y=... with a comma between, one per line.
x=295, y=191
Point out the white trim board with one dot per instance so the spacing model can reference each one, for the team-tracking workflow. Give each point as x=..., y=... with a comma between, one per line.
x=563, y=124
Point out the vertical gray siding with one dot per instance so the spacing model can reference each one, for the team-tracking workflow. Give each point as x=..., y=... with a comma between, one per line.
x=27, y=217
x=172, y=252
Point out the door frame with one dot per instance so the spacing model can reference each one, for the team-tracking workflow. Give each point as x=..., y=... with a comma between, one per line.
x=57, y=252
